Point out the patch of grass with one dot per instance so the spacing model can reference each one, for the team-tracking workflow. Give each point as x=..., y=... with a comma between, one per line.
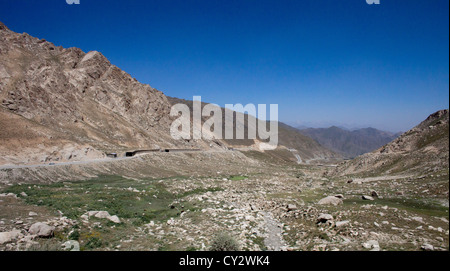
x=91, y=240
x=94, y=242
x=199, y=191
x=323, y=236
x=416, y=206
x=139, y=201
x=260, y=242
x=75, y=235
x=238, y=178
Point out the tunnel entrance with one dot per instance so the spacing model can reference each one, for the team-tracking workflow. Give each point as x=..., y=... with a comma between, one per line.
x=133, y=153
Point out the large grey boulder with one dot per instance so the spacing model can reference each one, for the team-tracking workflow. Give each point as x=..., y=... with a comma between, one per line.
x=41, y=230
x=6, y=237
x=331, y=200
x=71, y=245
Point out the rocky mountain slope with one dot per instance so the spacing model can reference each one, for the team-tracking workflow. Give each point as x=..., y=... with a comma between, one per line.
x=289, y=140
x=60, y=104
x=350, y=143
x=424, y=149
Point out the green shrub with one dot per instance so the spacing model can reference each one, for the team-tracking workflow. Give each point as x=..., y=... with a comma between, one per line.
x=224, y=242
x=94, y=242
x=75, y=235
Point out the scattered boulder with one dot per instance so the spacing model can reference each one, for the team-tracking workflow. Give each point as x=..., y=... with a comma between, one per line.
x=342, y=223
x=367, y=198
x=171, y=222
x=102, y=215
x=32, y=214
x=373, y=245
x=6, y=237
x=41, y=230
x=374, y=194
x=324, y=218
x=114, y=219
x=427, y=247
x=339, y=196
x=28, y=241
x=250, y=218
x=71, y=245
x=291, y=207
x=418, y=219
x=8, y=195
x=331, y=200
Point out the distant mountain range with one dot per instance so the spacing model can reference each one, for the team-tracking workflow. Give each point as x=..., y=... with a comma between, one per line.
x=422, y=150
x=350, y=143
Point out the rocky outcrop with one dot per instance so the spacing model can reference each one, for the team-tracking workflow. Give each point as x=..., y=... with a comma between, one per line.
x=3, y=27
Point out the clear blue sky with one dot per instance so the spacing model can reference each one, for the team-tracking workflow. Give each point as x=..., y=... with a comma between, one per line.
x=322, y=61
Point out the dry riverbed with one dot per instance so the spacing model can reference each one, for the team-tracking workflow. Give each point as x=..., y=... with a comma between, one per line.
x=275, y=207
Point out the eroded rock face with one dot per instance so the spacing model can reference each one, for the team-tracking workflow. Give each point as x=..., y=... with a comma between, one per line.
x=66, y=97
x=50, y=81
